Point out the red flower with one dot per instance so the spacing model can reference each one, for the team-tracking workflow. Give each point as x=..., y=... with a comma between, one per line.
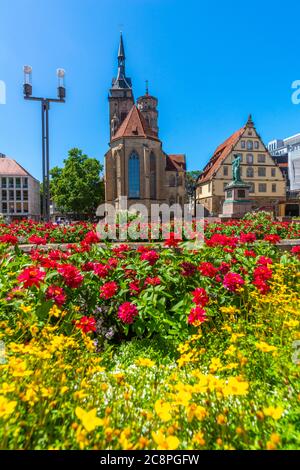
x=71, y=275
x=152, y=281
x=250, y=253
x=37, y=240
x=220, y=239
x=263, y=261
x=224, y=267
x=200, y=296
x=127, y=312
x=86, y=324
x=108, y=290
x=173, y=240
x=261, y=275
x=207, y=269
x=57, y=294
x=91, y=237
x=89, y=266
x=101, y=270
x=134, y=287
x=31, y=276
x=197, y=314
x=151, y=256
x=9, y=239
x=247, y=237
x=272, y=238
x=232, y=281
x=188, y=269
x=296, y=251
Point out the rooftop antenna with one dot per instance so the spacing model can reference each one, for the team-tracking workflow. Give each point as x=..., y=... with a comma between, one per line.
x=147, y=87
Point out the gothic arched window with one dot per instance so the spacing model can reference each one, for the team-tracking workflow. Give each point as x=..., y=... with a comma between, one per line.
x=134, y=176
x=152, y=176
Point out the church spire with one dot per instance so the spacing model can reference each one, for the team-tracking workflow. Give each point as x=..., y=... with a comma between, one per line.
x=121, y=81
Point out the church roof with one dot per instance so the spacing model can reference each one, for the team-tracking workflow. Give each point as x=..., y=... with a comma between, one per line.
x=221, y=152
x=9, y=167
x=176, y=162
x=135, y=125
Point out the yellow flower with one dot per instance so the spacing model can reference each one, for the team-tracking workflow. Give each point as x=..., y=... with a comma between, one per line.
x=198, y=438
x=26, y=308
x=89, y=419
x=6, y=407
x=231, y=310
x=221, y=419
x=274, y=412
x=291, y=323
x=215, y=364
x=54, y=311
x=235, y=386
x=165, y=443
x=196, y=411
x=265, y=347
x=144, y=362
x=163, y=410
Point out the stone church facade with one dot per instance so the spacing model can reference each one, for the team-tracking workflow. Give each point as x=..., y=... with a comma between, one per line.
x=136, y=165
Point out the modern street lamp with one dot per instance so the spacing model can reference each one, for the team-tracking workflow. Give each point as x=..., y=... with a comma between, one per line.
x=45, y=103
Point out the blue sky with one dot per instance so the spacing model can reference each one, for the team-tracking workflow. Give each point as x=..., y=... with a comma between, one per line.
x=209, y=64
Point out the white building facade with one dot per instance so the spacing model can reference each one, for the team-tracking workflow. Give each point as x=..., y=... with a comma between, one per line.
x=19, y=191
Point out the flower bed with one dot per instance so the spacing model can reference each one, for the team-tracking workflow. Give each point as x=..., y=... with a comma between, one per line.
x=155, y=348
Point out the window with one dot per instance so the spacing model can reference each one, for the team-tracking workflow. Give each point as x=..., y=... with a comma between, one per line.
x=225, y=170
x=4, y=207
x=273, y=172
x=152, y=176
x=243, y=144
x=200, y=190
x=261, y=158
x=262, y=188
x=249, y=145
x=18, y=195
x=256, y=144
x=133, y=176
x=252, y=188
x=18, y=207
x=18, y=183
x=11, y=207
x=25, y=207
x=274, y=188
x=3, y=182
x=11, y=195
x=25, y=182
x=261, y=171
x=249, y=158
x=172, y=181
x=250, y=172
x=4, y=195
x=10, y=182
x=25, y=195
x=241, y=193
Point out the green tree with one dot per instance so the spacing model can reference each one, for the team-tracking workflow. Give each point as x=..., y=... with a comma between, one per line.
x=77, y=187
x=190, y=181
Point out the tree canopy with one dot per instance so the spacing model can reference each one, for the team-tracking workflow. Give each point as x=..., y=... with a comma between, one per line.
x=77, y=187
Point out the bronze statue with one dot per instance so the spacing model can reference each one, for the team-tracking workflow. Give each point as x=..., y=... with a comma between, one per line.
x=236, y=168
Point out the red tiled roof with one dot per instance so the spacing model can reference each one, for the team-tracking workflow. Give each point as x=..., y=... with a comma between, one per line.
x=134, y=125
x=176, y=162
x=9, y=167
x=219, y=156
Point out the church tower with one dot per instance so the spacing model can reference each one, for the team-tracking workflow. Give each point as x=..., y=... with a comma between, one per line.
x=121, y=96
x=147, y=104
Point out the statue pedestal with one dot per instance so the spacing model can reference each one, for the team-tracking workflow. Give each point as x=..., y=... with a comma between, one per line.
x=237, y=202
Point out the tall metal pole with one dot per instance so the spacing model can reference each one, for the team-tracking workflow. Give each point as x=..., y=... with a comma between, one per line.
x=43, y=161
x=47, y=164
